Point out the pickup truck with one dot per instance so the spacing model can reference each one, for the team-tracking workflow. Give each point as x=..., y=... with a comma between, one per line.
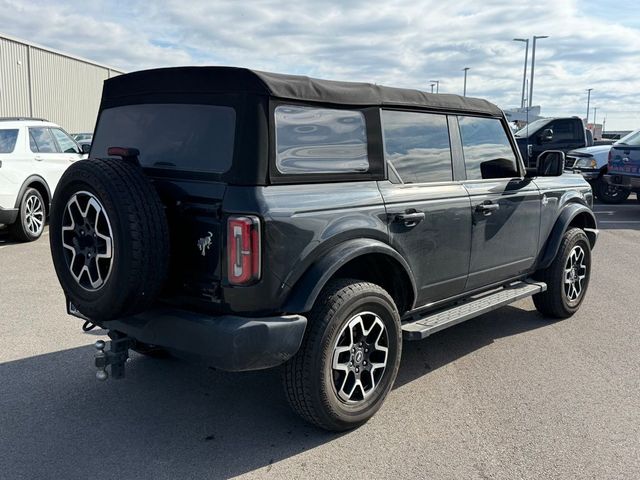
x=561, y=133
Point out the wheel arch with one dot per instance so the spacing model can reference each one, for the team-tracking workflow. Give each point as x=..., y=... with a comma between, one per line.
x=40, y=184
x=363, y=259
x=572, y=215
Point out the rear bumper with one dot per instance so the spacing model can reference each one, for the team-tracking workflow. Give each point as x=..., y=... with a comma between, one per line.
x=624, y=181
x=226, y=342
x=8, y=215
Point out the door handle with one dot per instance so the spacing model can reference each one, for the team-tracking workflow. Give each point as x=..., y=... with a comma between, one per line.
x=409, y=219
x=487, y=208
x=38, y=158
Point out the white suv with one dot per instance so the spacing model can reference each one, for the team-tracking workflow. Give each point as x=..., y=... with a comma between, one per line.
x=34, y=154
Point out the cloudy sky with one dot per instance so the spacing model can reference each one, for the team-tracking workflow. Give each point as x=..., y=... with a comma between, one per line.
x=592, y=44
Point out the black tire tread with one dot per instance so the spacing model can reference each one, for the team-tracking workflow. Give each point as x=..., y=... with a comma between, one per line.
x=145, y=220
x=550, y=302
x=295, y=373
x=16, y=229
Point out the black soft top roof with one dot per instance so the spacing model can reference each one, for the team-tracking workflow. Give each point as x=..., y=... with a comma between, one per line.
x=207, y=80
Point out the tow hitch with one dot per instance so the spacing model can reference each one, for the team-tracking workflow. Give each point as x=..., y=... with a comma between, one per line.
x=117, y=356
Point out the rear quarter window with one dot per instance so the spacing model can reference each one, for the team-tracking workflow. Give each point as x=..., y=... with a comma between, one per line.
x=198, y=138
x=312, y=140
x=8, y=139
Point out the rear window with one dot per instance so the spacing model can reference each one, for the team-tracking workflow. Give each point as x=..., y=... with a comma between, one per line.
x=195, y=138
x=8, y=139
x=320, y=140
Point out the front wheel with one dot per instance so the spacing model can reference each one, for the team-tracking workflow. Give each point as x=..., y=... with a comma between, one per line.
x=31, y=217
x=567, y=277
x=349, y=358
x=610, y=193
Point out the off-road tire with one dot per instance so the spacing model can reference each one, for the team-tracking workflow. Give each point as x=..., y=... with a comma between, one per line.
x=140, y=237
x=19, y=229
x=554, y=302
x=307, y=377
x=605, y=194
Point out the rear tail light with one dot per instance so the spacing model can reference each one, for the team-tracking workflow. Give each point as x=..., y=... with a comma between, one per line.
x=243, y=249
x=610, y=156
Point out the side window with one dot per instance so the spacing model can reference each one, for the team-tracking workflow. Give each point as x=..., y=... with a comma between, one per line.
x=8, y=139
x=32, y=143
x=43, y=140
x=320, y=140
x=563, y=130
x=417, y=145
x=486, y=147
x=64, y=141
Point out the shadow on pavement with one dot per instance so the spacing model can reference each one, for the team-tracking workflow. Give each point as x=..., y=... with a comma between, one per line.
x=171, y=419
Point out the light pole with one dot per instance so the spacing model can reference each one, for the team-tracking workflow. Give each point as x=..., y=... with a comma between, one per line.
x=432, y=85
x=437, y=82
x=588, y=101
x=595, y=110
x=533, y=65
x=524, y=75
x=464, y=89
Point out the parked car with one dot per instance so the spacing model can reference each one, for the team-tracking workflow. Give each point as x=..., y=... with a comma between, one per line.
x=592, y=163
x=331, y=220
x=34, y=153
x=624, y=163
x=562, y=133
x=82, y=137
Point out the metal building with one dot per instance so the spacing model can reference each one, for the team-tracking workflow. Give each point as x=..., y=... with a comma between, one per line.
x=36, y=81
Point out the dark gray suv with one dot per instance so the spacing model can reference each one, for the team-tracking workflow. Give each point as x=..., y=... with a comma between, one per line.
x=249, y=220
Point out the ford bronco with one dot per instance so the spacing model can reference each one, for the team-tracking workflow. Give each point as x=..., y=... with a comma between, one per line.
x=250, y=220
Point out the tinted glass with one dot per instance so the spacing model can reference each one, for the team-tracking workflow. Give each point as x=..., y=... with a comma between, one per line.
x=64, y=141
x=417, y=145
x=43, y=141
x=631, y=139
x=8, y=139
x=171, y=136
x=565, y=130
x=531, y=127
x=486, y=147
x=320, y=140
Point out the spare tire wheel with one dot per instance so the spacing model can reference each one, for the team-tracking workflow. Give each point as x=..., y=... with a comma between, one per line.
x=109, y=238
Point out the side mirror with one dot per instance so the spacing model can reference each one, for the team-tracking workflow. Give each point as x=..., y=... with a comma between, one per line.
x=551, y=163
x=547, y=135
x=85, y=147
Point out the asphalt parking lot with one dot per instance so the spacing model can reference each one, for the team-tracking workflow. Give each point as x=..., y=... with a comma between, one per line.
x=507, y=395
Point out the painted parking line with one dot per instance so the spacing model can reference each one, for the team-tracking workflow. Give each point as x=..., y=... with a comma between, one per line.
x=618, y=221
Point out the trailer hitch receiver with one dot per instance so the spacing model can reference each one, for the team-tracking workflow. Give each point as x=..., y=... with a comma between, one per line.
x=116, y=356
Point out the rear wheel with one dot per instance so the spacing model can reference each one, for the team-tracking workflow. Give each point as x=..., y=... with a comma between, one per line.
x=567, y=277
x=31, y=217
x=610, y=193
x=349, y=357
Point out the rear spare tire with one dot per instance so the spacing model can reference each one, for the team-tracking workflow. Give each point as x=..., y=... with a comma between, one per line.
x=109, y=238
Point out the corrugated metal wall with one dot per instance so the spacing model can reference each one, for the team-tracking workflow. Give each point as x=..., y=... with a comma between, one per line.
x=64, y=90
x=14, y=79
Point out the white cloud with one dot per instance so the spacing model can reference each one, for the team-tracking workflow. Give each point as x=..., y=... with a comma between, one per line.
x=395, y=42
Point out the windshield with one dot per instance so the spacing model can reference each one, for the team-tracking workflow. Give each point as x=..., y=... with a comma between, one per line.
x=532, y=127
x=197, y=138
x=632, y=139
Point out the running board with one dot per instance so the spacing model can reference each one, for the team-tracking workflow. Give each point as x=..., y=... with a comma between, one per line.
x=422, y=327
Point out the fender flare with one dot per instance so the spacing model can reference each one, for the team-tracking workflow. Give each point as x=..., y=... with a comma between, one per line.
x=568, y=213
x=31, y=179
x=305, y=291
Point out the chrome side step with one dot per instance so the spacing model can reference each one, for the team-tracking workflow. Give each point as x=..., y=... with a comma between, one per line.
x=432, y=322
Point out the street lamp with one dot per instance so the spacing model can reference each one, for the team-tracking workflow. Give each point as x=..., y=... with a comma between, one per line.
x=533, y=65
x=432, y=85
x=464, y=89
x=524, y=75
x=437, y=83
x=588, y=101
x=595, y=110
